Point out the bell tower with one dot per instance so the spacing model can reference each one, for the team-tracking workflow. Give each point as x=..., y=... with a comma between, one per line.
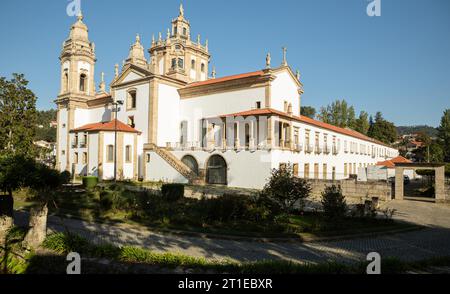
x=77, y=88
x=78, y=63
x=177, y=56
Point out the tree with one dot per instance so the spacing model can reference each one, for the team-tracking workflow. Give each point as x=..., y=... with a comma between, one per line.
x=17, y=116
x=382, y=130
x=284, y=189
x=362, y=123
x=308, y=111
x=338, y=113
x=333, y=203
x=444, y=134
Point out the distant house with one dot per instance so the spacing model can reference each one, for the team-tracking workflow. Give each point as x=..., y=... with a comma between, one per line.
x=390, y=166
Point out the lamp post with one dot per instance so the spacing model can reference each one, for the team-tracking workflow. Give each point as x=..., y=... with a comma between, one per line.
x=116, y=110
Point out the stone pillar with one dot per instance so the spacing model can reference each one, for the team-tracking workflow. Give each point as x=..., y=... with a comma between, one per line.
x=269, y=132
x=237, y=143
x=38, y=227
x=290, y=139
x=399, y=183
x=224, y=135
x=440, y=184
x=283, y=138
x=252, y=136
x=210, y=142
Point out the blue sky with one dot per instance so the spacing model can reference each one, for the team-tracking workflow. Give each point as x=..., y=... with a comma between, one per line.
x=398, y=63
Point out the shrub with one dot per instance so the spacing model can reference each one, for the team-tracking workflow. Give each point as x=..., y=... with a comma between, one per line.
x=232, y=207
x=285, y=190
x=333, y=203
x=65, y=177
x=90, y=182
x=172, y=192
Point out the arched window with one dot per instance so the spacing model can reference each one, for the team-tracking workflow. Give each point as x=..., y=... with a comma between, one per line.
x=192, y=64
x=83, y=83
x=65, y=81
x=184, y=32
x=174, y=63
x=191, y=162
x=216, y=170
x=203, y=67
x=180, y=63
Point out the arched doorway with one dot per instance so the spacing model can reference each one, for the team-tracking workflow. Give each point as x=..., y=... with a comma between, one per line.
x=216, y=170
x=191, y=162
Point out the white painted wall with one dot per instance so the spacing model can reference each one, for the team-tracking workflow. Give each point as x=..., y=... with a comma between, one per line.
x=93, y=154
x=63, y=137
x=283, y=89
x=168, y=115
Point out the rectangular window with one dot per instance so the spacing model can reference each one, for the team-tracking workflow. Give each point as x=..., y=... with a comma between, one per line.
x=258, y=105
x=345, y=170
x=75, y=157
x=295, y=169
x=128, y=153
x=148, y=157
x=110, y=153
x=306, y=172
x=333, y=174
x=316, y=171
x=324, y=172
x=84, y=157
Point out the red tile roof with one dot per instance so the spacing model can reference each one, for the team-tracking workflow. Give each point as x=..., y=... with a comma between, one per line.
x=106, y=126
x=391, y=163
x=225, y=79
x=307, y=120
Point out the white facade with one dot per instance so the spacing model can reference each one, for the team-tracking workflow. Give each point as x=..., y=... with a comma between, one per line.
x=184, y=127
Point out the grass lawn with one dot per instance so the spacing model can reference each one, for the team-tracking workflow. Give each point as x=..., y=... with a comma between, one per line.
x=185, y=216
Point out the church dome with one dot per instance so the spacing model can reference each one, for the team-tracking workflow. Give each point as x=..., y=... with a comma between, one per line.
x=79, y=31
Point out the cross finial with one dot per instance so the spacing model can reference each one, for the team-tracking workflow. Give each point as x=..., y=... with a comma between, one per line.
x=103, y=77
x=284, y=56
x=181, y=10
x=138, y=38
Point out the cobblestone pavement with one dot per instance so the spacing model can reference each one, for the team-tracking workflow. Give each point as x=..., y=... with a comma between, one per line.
x=433, y=241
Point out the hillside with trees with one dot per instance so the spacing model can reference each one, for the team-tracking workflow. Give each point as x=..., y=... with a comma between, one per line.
x=43, y=130
x=406, y=130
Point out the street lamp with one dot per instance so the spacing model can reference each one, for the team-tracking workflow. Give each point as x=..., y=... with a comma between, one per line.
x=116, y=110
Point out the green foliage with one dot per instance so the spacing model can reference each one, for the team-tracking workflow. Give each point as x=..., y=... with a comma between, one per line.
x=43, y=130
x=65, y=177
x=444, y=134
x=382, y=130
x=333, y=203
x=308, y=111
x=285, y=190
x=172, y=192
x=17, y=116
x=406, y=130
x=362, y=123
x=90, y=182
x=230, y=207
x=338, y=113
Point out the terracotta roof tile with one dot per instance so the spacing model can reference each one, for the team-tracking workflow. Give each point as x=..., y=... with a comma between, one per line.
x=307, y=120
x=106, y=126
x=225, y=79
x=391, y=162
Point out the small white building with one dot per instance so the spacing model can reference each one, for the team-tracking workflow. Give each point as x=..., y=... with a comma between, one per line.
x=179, y=124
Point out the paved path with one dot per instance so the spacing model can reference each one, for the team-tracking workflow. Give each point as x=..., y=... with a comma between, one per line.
x=431, y=242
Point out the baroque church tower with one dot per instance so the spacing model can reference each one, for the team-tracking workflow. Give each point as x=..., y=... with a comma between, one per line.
x=177, y=56
x=77, y=85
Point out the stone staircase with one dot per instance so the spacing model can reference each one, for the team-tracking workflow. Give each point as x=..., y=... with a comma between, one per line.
x=174, y=162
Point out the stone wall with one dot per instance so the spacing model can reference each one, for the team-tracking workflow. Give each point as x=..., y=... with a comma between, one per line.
x=354, y=191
